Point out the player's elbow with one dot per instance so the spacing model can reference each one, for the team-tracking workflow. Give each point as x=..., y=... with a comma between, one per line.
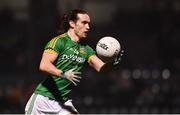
x=42, y=67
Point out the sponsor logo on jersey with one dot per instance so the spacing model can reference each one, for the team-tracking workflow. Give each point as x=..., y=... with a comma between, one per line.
x=73, y=58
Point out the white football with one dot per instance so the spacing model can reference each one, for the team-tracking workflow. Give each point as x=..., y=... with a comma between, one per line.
x=107, y=48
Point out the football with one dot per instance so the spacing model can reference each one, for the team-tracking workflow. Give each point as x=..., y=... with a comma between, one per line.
x=107, y=48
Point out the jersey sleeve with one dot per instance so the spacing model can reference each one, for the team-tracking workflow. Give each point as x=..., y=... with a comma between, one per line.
x=90, y=52
x=54, y=46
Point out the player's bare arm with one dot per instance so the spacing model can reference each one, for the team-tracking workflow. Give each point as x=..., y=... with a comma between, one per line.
x=46, y=64
x=96, y=63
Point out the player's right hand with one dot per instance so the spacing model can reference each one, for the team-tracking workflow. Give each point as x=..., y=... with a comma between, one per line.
x=72, y=76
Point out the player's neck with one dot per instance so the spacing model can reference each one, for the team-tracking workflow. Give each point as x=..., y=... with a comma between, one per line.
x=73, y=36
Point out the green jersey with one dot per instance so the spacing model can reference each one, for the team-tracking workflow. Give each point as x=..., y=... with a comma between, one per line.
x=70, y=55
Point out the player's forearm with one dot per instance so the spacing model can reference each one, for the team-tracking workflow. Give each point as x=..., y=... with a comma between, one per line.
x=49, y=68
x=106, y=67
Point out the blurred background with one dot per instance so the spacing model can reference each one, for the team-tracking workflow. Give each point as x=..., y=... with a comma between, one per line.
x=147, y=80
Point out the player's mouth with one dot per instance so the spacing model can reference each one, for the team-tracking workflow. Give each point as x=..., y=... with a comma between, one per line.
x=86, y=32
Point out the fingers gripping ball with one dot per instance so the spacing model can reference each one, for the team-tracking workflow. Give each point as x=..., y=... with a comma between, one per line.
x=108, y=48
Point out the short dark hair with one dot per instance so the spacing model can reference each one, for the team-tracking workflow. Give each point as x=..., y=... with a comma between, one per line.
x=70, y=16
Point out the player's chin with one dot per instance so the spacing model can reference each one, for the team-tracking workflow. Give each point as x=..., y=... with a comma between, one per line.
x=84, y=35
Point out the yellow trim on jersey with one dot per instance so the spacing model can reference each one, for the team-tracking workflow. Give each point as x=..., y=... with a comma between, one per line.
x=50, y=51
x=89, y=59
x=54, y=40
x=62, y=35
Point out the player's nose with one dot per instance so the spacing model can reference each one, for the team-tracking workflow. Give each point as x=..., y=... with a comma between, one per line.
x=87, y=27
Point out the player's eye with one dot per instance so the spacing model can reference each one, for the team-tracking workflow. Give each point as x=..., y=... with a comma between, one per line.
x=85, y=22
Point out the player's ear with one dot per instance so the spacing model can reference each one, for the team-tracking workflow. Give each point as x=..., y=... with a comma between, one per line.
x=71, y=23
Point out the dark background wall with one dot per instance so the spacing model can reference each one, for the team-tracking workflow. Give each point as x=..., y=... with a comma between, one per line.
x=147, y=80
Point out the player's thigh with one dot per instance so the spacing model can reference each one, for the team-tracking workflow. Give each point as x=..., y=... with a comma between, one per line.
x=39, y=104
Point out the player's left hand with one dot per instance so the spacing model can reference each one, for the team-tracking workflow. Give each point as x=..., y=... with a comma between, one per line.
x=118, y=58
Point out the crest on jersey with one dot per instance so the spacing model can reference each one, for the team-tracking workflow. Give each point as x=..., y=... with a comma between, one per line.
x=82, y=50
